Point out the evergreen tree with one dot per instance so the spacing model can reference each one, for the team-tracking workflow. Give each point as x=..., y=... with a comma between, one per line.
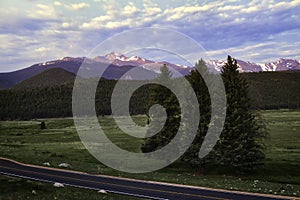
x=164, y=97
x=240, y=145
x=199, y=86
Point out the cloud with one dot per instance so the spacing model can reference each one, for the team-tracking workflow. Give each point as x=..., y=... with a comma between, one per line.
x=74, y=7
x=284, y=5
x=42, y=50
x=96, y=22
x=24, y=26
x=230, y=8
x=27, y=22
x=152, y=11
x=128, y=16
x=43, y=11
x=57, y=3
x=262, y=52
x=216, y=25
x=252, y=30
x=130, y=9
x=49, y=44
x=180, y=12
x=65, y=25
x=77, y=6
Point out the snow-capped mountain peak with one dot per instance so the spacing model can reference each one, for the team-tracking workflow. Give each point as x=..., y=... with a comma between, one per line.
x=134, y=58
x=281, y=64
x=115, y=56
x=120, y=60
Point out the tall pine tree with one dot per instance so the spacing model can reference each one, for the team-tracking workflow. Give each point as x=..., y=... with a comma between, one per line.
x=162, y=96
x=240, y=145
x=196, y=80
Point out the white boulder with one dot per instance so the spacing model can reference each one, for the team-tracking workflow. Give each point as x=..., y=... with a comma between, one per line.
x=65, y=165
x=102, y=192
x=58, y=185
x=47, y=164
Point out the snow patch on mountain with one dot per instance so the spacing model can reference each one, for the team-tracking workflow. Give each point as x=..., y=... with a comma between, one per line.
x=246, y=66
x=120, y=60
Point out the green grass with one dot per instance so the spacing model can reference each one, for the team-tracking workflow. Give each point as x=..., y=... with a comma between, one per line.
x=15, y=189
x=283, y=146
x=24, y=141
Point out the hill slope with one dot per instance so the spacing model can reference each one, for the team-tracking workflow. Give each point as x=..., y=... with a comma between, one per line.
x=51, y=77
x=273, y=90
x=90, y=69
x=8, y=80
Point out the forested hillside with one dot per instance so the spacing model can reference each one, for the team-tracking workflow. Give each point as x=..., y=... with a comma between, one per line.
x=267, y=90
x=274, y=90
x=48, y=78
x=56, y=101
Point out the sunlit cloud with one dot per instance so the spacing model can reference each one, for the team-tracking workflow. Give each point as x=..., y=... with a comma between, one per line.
x=77, y=6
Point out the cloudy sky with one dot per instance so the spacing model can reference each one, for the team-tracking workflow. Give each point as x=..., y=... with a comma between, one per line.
x=33, y=31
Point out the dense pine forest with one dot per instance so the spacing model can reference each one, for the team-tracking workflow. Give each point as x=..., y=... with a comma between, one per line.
x=267, y=90
x=56, y=101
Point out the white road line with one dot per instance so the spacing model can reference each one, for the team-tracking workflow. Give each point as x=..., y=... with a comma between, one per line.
x=79, y=186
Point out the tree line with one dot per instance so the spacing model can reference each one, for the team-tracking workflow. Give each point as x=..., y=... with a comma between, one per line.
x=56, y=101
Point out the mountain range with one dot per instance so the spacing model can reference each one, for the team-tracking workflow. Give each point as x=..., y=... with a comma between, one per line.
x=123, y=67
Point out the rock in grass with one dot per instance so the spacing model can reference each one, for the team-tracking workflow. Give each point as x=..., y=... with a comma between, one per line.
x=58, y=185
x=102, y=192
x=47, y=164
x=65, y=165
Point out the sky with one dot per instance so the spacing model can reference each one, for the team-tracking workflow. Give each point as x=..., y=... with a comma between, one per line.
x=33, y=31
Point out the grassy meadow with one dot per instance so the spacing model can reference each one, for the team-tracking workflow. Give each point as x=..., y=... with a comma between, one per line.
x=24, y=141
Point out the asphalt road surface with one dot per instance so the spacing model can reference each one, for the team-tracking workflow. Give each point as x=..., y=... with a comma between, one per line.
x=131, y=187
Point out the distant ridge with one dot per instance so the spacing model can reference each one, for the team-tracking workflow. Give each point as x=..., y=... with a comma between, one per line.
x=132, y=68
x=51, y=77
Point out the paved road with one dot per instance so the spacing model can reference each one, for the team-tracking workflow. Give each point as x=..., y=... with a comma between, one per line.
x=138, y=188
